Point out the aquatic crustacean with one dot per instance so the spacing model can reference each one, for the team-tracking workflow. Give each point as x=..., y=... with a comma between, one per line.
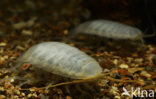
x=109, y=29
x=61, y=59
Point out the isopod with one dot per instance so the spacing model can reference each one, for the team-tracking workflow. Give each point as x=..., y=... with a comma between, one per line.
x=109, y=29
x=61, y=59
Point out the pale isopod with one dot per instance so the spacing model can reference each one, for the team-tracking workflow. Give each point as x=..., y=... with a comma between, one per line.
x=61, y=59
x=109, y=29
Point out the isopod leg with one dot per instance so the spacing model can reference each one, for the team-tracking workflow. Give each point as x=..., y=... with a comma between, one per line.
x=139, y=43
x=25, y=82
x=67, y=89
x=5, y=79
x=142, y=42
x=48, y=86
x=15, y=69
x=142, y=45
x=12, y=79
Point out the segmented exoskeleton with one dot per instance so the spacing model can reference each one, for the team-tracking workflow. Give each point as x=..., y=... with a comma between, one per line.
x=61, y=59
x=109, y=29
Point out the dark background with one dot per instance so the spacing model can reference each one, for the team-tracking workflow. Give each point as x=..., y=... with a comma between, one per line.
x=137, y=13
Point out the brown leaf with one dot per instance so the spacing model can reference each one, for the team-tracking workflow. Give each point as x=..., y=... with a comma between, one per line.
x=124, y=72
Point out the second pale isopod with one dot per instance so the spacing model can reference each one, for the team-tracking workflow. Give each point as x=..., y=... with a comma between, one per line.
x=109, y=29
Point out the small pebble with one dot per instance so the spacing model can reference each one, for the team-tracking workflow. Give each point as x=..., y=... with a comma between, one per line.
x=124, y=66
x=32, y=89
x=106, y=70
x=2, y=44
x=18, y=92
x=20, y=47
x=133, y=70
x=34, y=94
x=145, y=74
x=117, y=97
x=23, y=94
x=114, y=90
x=2, y=97
x=23, y=24
x=1, y=89
x=115, y=61
x=27, y=32
x=16, y=97
x=68, y=97
x=29, y=95
x=1, y=50
x=65, y=32
x=139, y=60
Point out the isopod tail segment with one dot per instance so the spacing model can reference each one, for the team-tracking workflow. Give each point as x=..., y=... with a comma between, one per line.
x=87, y=80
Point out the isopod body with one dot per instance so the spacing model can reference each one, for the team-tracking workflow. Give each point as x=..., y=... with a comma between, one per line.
x=61, y=59
x=109, y=29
